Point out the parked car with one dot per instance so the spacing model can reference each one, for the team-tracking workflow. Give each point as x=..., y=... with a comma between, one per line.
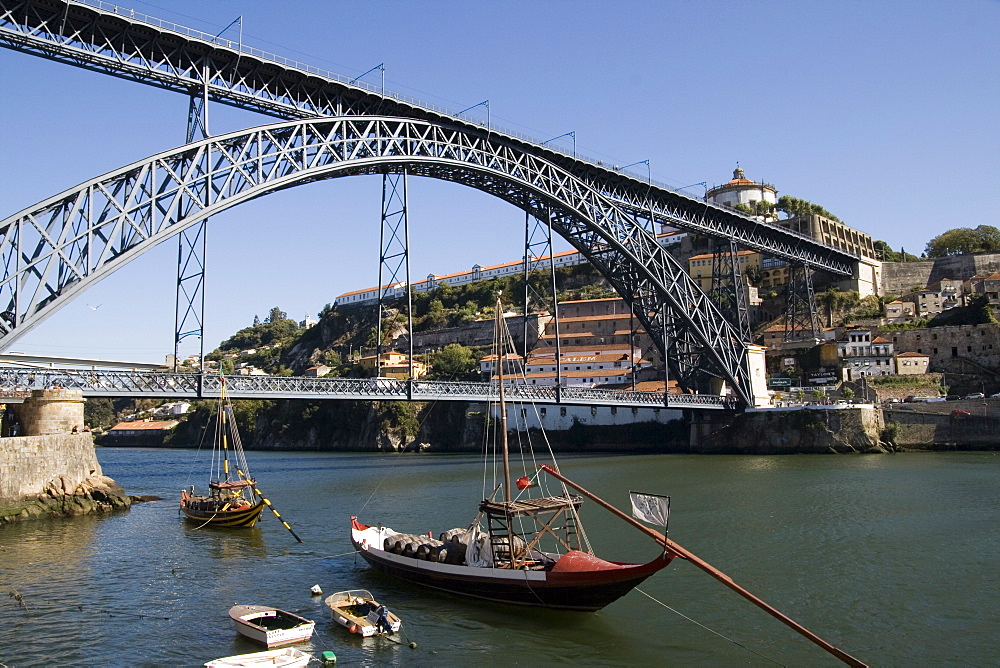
x=953, y=397
x=958, y=412
x=995, y=396
x=974, y=395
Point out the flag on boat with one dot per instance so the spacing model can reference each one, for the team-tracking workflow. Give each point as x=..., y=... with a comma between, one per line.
x=651, y=508
x=524, y=482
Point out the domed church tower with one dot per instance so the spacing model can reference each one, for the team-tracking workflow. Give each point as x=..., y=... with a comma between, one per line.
x=741, y=190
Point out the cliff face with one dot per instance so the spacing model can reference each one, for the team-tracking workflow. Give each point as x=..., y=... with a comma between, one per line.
x=804, y=431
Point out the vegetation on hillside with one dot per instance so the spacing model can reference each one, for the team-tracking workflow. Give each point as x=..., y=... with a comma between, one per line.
x=983, y=239
x=793, y=206
x=886, y=254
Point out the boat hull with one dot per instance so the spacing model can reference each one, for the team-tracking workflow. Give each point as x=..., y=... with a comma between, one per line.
x=269, y=626
x=587, y=589
x=200, y=512
x=351, y=610
x=288, y=657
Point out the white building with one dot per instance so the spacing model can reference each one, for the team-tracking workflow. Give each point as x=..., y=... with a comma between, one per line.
x=481, y=273
x=741, y=190
x=860, y=355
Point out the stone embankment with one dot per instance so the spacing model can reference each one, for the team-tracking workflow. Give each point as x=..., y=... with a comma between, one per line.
x=806, y=430
x=50, y=471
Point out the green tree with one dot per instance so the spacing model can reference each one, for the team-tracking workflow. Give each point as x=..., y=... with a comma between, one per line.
x=99, y=412
x=226, y=366
x=983, y=239
x=793, y=206
x=846, y=392
x=819, y=395
x=453, y=362
x=886, y=254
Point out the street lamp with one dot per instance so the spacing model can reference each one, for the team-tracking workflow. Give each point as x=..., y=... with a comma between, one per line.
x=565, y=134
x=484, y=103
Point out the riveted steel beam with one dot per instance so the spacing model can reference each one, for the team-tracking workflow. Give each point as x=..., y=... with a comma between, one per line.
x=148, y=50
x=64, y=244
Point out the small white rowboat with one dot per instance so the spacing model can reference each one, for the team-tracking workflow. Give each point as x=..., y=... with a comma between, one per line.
x=289, y=657
x=269, y=626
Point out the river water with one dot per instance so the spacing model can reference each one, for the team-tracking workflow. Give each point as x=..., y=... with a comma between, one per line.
x=893, y=558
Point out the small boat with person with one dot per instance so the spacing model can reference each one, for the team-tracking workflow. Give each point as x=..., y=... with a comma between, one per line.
x=269, y=626
x=358, y=612
x=288, y=657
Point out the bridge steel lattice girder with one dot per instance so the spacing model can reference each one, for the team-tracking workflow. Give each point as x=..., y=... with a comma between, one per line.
x=83, y=234
x=182, y=60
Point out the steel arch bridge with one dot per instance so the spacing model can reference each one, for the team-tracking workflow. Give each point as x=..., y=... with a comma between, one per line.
x=57, y=248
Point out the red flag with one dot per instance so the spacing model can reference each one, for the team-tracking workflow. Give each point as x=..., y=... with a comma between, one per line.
x=524, y=482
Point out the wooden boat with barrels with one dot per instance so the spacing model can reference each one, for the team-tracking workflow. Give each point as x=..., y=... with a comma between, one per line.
x=500, y=556
x=521, y=548
x=232, y=499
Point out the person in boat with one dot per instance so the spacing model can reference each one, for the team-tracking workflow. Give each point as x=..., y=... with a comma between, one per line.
x=383, y=625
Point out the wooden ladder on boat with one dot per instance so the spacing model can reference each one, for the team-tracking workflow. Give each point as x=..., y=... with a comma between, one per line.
x=500, y=541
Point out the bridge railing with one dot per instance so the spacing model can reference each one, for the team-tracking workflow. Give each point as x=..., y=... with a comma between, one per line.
x=17, y=382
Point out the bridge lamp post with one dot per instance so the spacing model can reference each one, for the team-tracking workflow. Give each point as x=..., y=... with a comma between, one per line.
x=649, y=173
x=484, y=103
x=380, y=67
x=703, y=184
x=565, y=134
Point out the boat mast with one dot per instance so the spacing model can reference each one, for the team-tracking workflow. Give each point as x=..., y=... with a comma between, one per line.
x=503, y=406
x=222, y=429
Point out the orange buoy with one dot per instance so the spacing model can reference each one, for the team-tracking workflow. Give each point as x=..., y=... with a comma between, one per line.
x=353, y=628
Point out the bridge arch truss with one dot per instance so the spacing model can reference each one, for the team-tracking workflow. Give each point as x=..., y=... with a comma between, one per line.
x=56, y=249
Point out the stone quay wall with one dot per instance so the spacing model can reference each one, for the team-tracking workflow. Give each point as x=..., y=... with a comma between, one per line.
x=807, y=430
x=50, y=471
x=933, y=430
x=28, y=464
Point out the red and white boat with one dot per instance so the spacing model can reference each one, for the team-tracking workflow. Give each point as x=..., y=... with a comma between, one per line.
x=523, y=549
x=573, y=580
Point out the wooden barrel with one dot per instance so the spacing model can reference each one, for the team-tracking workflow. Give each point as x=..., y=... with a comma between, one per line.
x=426, y=547
x=452, y=553
x=446, y=536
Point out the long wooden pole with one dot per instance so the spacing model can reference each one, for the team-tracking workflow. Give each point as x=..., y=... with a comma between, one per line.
x=678, y=551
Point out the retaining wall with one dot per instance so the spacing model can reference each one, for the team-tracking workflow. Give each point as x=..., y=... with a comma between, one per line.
x=28, y=464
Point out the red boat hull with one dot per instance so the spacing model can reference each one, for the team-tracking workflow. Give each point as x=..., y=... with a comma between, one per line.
x=582, y=583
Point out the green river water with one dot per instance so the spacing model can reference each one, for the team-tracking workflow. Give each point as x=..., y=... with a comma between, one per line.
x=893, y=558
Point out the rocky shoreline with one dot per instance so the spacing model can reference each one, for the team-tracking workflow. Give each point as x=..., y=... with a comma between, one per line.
x=96, y=494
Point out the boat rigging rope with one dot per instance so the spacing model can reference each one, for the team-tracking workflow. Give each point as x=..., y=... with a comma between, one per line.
x=693, y=621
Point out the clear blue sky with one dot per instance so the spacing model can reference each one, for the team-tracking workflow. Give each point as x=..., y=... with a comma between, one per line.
x=884, y=113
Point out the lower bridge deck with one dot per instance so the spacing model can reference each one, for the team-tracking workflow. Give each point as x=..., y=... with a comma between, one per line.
x=16, y=383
